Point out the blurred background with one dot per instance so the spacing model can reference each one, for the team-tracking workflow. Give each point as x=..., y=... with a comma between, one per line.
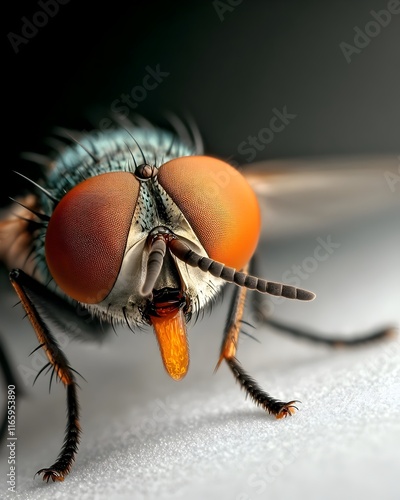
x=228, y=64
x=330, y=72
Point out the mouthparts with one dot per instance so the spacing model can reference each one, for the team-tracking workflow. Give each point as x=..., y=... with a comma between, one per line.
x=166, y=314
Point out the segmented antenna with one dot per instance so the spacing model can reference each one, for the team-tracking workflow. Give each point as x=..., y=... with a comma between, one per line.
x=190, y=257
x=154, y=265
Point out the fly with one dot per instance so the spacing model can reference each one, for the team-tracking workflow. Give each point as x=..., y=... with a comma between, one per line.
x=138, y=227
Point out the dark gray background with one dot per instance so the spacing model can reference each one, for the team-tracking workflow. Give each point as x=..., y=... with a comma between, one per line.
x=228, y=74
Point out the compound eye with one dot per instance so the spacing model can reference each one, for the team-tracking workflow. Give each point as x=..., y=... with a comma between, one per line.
x=87, y=233
x=218, y=203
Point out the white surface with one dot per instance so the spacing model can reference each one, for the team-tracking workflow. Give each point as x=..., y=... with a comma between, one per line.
x=146, y=436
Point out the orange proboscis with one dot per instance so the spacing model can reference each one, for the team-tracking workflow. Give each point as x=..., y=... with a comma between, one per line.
x=170, y=331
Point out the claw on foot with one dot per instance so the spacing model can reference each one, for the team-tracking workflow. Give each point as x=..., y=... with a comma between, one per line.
x=52, y=474
x=287, y=409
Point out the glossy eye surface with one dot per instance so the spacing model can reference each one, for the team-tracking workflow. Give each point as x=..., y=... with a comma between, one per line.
x=87, y=234
x=218, y=203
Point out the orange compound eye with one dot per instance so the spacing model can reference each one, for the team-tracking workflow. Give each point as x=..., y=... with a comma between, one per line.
x=218, y=203
x=87, y=233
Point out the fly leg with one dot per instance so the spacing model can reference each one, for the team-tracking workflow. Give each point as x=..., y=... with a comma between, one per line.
x=332, y=340
x=27, y=288
x=260, y=310
x=228, y=351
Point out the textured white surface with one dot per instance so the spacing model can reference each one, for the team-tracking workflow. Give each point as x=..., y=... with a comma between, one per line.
x=146, y=436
